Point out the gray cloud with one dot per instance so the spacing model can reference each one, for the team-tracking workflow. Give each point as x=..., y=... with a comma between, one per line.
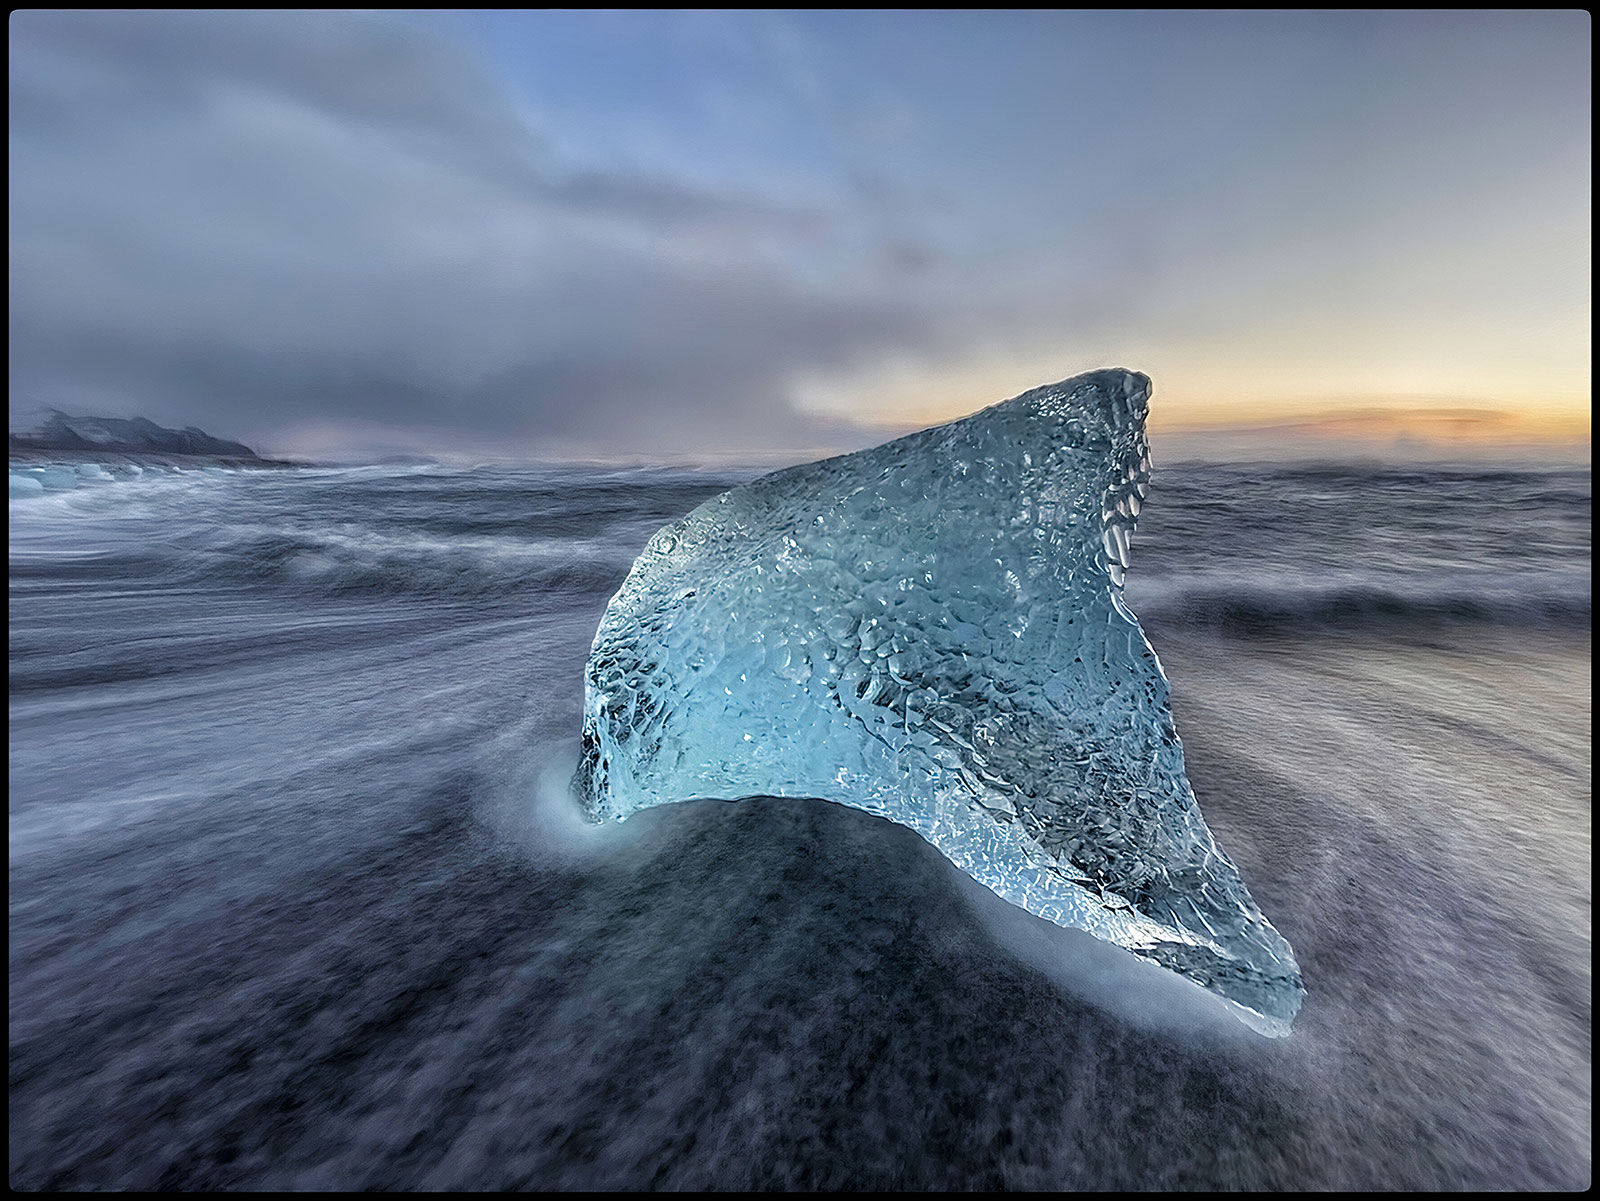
x=273, y=223
x=259, y=221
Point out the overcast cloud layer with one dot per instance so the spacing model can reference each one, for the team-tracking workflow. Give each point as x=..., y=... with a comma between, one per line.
x=325, y=231
x=266, y=220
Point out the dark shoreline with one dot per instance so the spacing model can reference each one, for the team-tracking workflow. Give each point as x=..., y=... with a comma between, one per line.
x=785, y=994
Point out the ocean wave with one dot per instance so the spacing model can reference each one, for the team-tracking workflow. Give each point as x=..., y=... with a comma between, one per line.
x=1370, y=605
x=372, y=564
x=362, y=563
x=1297, y=551
x=333, y=533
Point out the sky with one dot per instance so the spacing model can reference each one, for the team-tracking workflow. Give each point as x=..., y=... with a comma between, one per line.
x=711, y=235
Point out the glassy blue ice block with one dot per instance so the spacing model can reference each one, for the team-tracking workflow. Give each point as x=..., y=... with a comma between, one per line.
x=933, y=631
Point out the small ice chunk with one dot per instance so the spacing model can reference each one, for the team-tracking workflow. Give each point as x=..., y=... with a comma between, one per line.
x=55, y=478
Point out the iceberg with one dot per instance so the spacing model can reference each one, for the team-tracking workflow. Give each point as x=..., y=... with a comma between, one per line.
x=933, y=631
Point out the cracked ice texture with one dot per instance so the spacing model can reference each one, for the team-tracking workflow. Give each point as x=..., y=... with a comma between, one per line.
x=933, y=631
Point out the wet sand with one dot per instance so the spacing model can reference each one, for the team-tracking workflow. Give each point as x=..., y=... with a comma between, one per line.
x=793, y=994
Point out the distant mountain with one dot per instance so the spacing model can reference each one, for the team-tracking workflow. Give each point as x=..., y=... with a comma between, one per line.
x=62, y=434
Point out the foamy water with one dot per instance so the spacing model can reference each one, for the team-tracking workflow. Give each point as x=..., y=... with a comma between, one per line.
x=297, y=897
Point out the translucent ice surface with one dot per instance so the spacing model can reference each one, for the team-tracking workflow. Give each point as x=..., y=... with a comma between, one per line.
x=933, y=631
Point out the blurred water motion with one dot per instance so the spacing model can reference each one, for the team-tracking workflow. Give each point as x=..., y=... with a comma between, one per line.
x=288, y=910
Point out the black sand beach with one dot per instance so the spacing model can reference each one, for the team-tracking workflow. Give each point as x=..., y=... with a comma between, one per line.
x=295, y=901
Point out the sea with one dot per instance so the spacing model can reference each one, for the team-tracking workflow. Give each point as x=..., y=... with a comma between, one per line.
x=299, y=897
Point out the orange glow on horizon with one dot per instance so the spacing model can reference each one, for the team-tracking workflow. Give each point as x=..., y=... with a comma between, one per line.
x=1450, y=420
x=1207, y=398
